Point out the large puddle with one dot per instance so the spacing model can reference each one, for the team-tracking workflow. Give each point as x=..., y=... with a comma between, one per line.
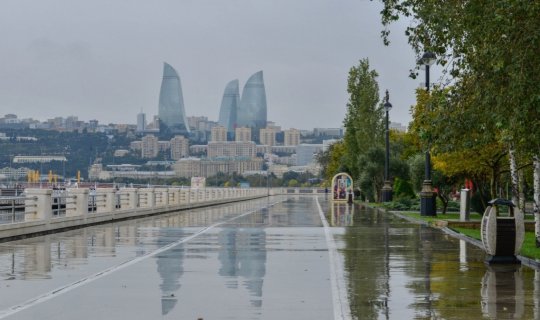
x=398, y=270
x=263, y=259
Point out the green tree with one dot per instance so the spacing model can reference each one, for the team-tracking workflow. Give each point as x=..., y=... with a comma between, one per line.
x=363, y=121
x=333, y=161
x=292, y=183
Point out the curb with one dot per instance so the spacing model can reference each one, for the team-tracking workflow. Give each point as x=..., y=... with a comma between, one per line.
x=531, y=263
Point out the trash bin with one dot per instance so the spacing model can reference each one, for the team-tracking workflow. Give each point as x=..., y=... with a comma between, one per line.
x=502, y=236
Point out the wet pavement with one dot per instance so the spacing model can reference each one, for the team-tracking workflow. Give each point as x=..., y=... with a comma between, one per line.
x=263, y=259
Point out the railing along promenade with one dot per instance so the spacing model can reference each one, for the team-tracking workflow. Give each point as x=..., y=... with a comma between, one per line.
x=42, y=211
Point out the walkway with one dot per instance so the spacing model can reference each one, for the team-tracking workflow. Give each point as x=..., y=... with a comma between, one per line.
x=262, y=259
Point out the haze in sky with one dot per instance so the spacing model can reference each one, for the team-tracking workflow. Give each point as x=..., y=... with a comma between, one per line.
x=103, y=59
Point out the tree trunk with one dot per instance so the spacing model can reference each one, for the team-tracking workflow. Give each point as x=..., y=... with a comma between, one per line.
x=514, y=176
x=444, y=199
x=536, y=164
x=521, y=191
x=493, y=182
x=480, y=189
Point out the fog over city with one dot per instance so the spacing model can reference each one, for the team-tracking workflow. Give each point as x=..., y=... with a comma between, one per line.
x=103, y=59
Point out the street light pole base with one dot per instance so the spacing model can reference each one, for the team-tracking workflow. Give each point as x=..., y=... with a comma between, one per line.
x=428, y=200
x=386, y=192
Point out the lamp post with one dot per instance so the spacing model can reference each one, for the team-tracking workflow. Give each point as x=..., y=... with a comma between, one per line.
x=428, y=204
x=386, y=193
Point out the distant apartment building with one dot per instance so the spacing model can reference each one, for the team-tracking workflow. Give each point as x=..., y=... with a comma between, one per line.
x=191, y=167
x=153, y=125
x=93, y=125
x=201, y=123
x=188, y=167
x=291, y=137
x=284, y=149
x=397, y=126
x=198, y=149
x=273, y=125
x=263, y=149
x=8, y=173
x=329, y=132
x=38, y=159
x=135, y=145
x=242, y=134
x=164, y=145
x=231, y=149
x=149, y=146
x=219, y=133
x=121, y=153
x=97, y=172
x=71, y=122
x=267, y=136
x=195, y=122
x=122, y=127
x=179, y=147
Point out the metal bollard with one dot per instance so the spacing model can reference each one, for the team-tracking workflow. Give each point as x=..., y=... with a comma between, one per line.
x=465, y=205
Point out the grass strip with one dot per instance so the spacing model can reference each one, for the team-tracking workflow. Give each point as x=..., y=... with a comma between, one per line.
x=528, y=249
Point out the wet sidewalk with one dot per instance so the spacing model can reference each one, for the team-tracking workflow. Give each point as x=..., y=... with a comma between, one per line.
x=263, y=259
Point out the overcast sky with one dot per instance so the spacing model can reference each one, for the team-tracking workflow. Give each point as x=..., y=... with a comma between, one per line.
x=103, y=59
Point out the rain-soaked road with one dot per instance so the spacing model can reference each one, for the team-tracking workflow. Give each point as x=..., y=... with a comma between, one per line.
x=264, y=259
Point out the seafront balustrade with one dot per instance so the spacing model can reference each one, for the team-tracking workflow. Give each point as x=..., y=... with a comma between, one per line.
x=41, y=211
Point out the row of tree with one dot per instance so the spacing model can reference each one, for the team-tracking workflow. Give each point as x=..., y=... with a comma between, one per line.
x=484, y=117
x=481, y=120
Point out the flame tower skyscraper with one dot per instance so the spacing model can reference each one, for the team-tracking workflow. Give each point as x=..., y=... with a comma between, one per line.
x=229, y=107
x=172, y=116
x=252, y=109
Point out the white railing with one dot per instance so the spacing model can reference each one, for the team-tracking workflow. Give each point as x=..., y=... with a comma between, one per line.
x=12, y=209
x=44, y=204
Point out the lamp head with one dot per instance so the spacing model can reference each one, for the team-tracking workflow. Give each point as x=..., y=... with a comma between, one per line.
x=428, y=58
x=387, y=105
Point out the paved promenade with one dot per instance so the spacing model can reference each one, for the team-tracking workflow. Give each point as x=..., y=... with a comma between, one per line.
x=272, y=258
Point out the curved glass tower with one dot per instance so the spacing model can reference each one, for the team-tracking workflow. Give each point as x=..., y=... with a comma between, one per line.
x=172, y=116
x=252, y=108
x=229, y=106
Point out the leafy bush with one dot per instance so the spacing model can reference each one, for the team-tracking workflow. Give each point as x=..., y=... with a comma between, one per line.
x=403, y=204
x=403, y=189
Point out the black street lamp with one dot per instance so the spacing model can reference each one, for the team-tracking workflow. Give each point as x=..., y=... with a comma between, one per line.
x=428, y=203
x=386, y=193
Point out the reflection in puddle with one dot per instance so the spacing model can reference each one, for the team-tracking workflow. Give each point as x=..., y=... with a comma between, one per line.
x=342, y=214
x=395, y=269
x=242, y=255
x=170, y=266
x=502, y=292
x=39, y=257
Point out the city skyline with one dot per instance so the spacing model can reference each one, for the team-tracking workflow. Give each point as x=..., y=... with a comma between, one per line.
x=71, y=62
